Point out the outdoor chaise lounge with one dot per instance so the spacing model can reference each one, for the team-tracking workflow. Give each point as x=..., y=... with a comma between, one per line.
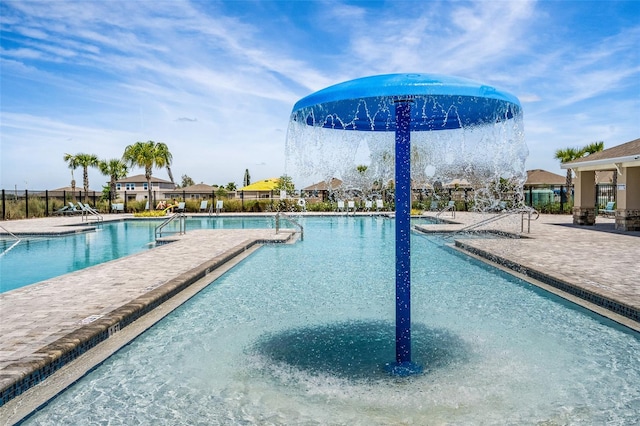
x=219, y=206
x=379, y=205
x=203, y=205
x=609, y=209
x=181, y=206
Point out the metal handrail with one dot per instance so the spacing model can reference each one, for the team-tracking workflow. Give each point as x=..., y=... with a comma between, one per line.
x=450, y=207
x=12, y=245
x=529, y=211
x=170, y=219
x=290, y=220
x=88, y=210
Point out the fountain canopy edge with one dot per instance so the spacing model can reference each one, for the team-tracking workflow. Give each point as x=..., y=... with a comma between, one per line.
x=440, y=103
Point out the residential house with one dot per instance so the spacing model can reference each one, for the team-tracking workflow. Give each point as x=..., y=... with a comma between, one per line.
x=135, y=188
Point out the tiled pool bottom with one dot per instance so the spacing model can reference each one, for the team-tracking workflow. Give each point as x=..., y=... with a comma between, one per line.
x=47, y=325
x=495, y=349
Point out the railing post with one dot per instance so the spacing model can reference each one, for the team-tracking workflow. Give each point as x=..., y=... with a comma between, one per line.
x=4, y=205
x=26, y=204
x=46, y=202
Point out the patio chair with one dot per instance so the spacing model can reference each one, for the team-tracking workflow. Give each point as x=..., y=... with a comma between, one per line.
x=61, y=211
x=219, y=206
x=351, y=205
x=203, y=206
x=434, y=206
x=340, y=205
x=609, y=209
x=379, y=205
x=368, y=205
x=117, y=207
x=73, y=209
x=181, y=206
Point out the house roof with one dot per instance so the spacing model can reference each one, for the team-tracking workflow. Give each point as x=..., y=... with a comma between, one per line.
x=69, y=189
x=625, y=155
x=198, y=187
x=262, y=185
x=322, y=186
x=543, y=177
x=141, y=178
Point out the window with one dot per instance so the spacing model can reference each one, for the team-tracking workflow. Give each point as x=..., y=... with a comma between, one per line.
x=118, y=186
x=130, y=186
x=145, y=186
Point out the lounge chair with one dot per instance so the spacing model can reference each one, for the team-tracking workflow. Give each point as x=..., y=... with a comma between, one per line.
x=351, y=205
x=379, y=205
x=340, y=205
x=219, y=206
x=609, y=209
x=368, y=205
x=203, y=205
x=117, y=208
x=62, y=210
x=434, y=206
x=73, y=209
x=181, y=207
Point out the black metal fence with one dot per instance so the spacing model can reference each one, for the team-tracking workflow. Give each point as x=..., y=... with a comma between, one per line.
x=35, y=203
x=550, y=198
x=605, y=192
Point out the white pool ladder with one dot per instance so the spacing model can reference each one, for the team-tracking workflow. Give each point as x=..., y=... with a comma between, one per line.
x=5, y=251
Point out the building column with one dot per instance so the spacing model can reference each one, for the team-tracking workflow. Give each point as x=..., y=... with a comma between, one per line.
x=628, y=200
x=584, y=198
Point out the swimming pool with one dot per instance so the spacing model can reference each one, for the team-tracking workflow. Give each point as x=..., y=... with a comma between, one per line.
x=267, y=343
x=38, y=258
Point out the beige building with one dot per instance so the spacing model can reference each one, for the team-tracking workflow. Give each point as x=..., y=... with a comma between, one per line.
x=625, y=159
x=136, y=188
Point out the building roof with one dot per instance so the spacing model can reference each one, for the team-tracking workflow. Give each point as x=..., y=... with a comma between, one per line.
x=625, y=155
x=79, y=188
x=262, y=185
x=322, y=186
x=142, y=178
x=198, y=187
x=543, y=177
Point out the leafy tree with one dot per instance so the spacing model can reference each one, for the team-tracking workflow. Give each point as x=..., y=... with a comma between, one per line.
x=569, y=154
x=221, y=192
x=247, y=178
x=116, y=169
x=285, y=183
x=187, y=181
x=231, y=186
x=147, y=154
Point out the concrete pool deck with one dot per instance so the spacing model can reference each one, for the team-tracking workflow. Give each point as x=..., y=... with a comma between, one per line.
x=46, y=325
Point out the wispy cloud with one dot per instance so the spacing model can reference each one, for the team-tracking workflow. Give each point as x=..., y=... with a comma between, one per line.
x=217, y=80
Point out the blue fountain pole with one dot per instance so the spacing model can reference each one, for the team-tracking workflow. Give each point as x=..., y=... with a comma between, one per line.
x=403, y=230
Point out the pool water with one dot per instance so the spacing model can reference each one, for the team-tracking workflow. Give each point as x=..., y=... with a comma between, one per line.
x=39, y=258
x=299, y=334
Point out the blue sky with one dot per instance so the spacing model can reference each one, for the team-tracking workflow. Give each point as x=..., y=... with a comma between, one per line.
x=216, y=81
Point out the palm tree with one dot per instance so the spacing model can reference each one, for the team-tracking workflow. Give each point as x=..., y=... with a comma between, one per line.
x=73, y=164
x=147, y=154
x=116, y=169
x=570, y=154
x=85, y=161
